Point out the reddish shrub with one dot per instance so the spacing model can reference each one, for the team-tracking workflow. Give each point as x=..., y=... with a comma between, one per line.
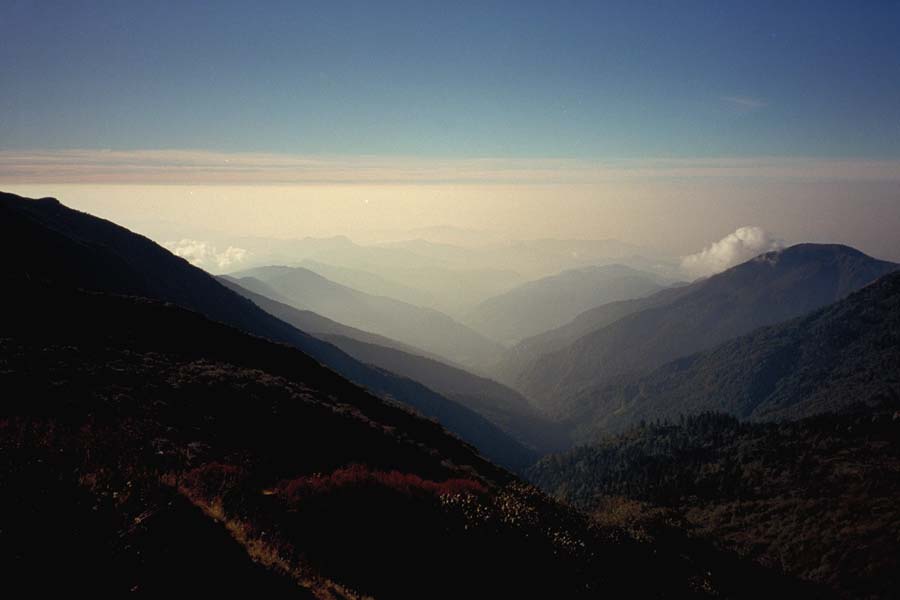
x=211, y=480
x=360, y=476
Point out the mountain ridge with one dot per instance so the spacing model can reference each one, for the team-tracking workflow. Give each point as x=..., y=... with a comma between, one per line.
x=420, y=327
x=837, y=356
x=549, y=302
x=771, y=288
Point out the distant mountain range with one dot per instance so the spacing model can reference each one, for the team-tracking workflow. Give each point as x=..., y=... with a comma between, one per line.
x=450, y=278
x=450, y=283
x=370, y=283
x=425, y=328
x=550, y=302
x=769, y=289
x=533, y=259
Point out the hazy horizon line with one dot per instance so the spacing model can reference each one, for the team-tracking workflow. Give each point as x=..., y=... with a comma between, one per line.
x=203, y=167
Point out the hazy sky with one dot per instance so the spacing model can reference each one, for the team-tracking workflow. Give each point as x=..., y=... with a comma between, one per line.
x=668, y=123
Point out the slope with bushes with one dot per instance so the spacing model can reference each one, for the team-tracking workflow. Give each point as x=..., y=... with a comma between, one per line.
x=815, y=497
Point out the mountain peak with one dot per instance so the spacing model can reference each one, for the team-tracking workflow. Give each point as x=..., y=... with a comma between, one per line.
x=814, y=251
x=810, y=257
x=771, y=288
x=47, y=200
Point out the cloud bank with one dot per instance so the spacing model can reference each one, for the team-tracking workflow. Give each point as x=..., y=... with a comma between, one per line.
x=206, y=256
x=737, y=247
x=242, y=168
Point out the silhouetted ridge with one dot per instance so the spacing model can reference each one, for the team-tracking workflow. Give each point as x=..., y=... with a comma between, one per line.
x=67, y=247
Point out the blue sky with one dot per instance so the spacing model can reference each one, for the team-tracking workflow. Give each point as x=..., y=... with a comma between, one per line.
x=581, y=80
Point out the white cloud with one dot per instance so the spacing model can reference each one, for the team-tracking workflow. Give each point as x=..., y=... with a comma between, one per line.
x=737, y=247
x=207, y=256
x=745, y=103
x=231, y=257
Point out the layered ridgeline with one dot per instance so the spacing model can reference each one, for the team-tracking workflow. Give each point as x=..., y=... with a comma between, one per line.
x=550, y=302
x=533, y=259
x=75, y=249
x=434, y=285
x=425, y=328
x=499, y=404
x=453, y=275
x=148, y=448
x=446, y=278
x=370, y=283
x=771, y=288
x=522, y=357
x=846, y=353
x=815, y=497
x=307, y=320
x=454, y=283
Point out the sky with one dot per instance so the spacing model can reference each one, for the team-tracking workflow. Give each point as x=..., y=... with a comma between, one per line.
x=564, y=118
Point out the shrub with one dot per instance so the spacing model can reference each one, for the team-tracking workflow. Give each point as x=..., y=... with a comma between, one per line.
x=357, y=476
x=211, y=481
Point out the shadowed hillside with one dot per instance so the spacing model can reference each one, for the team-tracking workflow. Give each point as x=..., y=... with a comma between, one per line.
x=496, y=402
x=846, y=353
x=74, y=249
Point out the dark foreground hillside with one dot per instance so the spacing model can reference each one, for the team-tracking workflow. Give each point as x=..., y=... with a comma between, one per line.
x=816, y=497
x=143, y=447
x=74, y=249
